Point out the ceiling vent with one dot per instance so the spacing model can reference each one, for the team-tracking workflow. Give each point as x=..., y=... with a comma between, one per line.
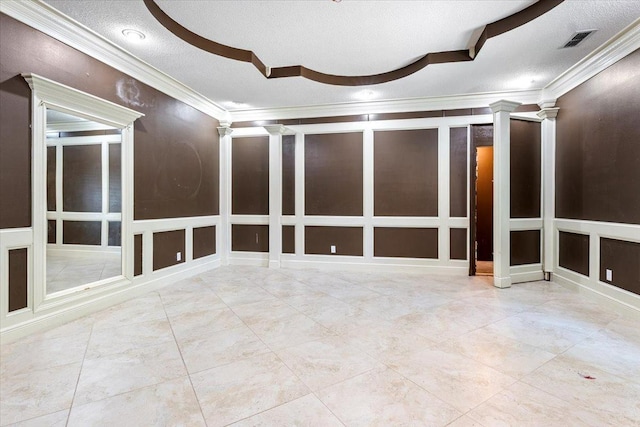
x=578, y=37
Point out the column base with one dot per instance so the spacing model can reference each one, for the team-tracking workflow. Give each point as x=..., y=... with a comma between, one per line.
x=502, y=282
x=274, y=264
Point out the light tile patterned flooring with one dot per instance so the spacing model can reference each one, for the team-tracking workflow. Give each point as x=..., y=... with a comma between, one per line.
x=70, y=271
x=253, y=346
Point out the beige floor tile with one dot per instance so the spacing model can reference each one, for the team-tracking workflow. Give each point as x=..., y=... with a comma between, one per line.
x=124, y=338
x=325, y=362
x=117, y=373
x=37, y=393
x=613, y=396
x=57, y=419
x=220, y=348
x=523, y=405
x=306, y=411
x=508, y=356
x=23, y=357
x=239, y=295
x=262, y=311
x=175, y=305
x=200, y=324
x=141, y=309
x=289, y=331
x=236, y=391
x=383, y=398
x=171, y=403
x=465, y=421
x=458, y=380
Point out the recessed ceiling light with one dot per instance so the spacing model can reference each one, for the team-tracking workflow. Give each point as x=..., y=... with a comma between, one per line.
x=133, y=35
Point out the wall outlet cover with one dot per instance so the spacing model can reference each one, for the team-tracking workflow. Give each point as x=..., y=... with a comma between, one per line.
x=178, y=256
x=608, y=275
x=333, y=249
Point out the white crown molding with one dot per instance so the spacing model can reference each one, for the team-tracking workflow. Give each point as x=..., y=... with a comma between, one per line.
x=475, y=100
x=616, y=48
x=50, y=21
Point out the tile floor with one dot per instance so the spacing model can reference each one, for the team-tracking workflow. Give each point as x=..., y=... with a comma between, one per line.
x=70, y=271
x=250, y=346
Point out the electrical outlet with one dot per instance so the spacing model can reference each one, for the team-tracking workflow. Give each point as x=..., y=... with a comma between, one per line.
x=609, y=275
x=178, y=256
x=333, y=249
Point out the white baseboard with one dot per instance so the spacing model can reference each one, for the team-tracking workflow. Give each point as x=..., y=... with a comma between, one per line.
x=526, y=273
x=139, y=286
x=375, y=267
x=619, y=300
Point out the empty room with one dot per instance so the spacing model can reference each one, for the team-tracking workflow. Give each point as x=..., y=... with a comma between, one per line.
x=319, y=213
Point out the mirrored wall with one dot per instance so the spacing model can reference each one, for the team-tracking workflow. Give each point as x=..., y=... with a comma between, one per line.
x=84, y=202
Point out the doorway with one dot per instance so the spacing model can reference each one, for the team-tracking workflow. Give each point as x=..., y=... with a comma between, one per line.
x=481, y=203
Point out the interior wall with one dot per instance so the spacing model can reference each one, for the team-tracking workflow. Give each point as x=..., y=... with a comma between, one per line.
x=175, y=161
x=597, y=176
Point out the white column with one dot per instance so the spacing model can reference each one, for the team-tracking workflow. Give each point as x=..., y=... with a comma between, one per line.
x=223, y=244
x=501, y=192
x=444, y=243
x=368, y=190
x=275, y=193
x=548, y=186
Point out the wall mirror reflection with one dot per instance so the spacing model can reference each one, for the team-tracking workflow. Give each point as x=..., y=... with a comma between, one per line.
x=84, y=201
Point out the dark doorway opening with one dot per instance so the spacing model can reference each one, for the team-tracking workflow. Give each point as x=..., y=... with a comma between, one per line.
x=481, y=201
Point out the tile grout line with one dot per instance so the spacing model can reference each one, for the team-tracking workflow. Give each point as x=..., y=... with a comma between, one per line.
x=75, y=390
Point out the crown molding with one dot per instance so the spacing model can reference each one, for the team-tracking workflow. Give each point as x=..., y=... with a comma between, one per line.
x=476, y=100
x=613, y=50
x=50, y=21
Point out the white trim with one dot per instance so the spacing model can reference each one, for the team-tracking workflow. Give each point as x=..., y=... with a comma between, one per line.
x=50, y=21
x=613, y=50
x=452, y=102
x=223, y=243
x=401, y=265
x=526, y=273
x=444, y=187
x=525, y=224
x=83, y=140
x=75, y=127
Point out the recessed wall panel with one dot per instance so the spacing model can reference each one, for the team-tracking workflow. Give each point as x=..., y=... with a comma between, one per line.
x=525, y=169
x=525, y=247
x=458, y=155
x=82, y=178
x=288, y=175
x=137, y=254
x=458, y=243
x=82, y=233
x=115, y=233
x=347, y=240
x=250, y=176
x=406, y=173
x=168, y=246
x=333, y=174
x=204, y=241
x=18, y=279
x=288, y=239
x=622, y=258
x=405, y=242
x=51, y=231
x=573, y=252
x=115, y=180
x=249, y=238
x=51, y=178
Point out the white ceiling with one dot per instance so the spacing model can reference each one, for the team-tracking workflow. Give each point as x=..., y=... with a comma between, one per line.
x=353, y=37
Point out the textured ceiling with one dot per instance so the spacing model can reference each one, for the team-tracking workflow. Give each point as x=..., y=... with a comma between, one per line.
x=354, y=37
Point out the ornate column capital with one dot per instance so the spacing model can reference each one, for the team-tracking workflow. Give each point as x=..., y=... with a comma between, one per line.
x=548, y=113
x=504, y=105
x=224, y=130
x=275, y=129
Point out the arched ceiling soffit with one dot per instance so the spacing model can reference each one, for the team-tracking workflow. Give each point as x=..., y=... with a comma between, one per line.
x=490, y=30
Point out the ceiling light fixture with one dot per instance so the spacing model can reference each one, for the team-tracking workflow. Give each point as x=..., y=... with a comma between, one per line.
x=133, y=35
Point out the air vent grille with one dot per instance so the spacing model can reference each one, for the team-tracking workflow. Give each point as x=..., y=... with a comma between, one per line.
x=578, y=38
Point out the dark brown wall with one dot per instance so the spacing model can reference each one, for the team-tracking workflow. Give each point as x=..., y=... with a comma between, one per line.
x=115, y=233
x=17, y=279
x=458, y=243
x=51, y=231
x=81, y=232
x=333, y=174
x=166, y=245
x=51, y=178
x=525, y=169
x=458, y=154
x=318, y=240
x=137, y=254
x=573, y=252
x=176, y=146
x=250, y=176
x=597, y=151
x=288, y=175
x=204, y=241
x=405, y=242
x=288, y=239
x=82, y=178
x=406, y=173
x=525, y=247
x=623, y=259
x=115, y=178
x=249, y=238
